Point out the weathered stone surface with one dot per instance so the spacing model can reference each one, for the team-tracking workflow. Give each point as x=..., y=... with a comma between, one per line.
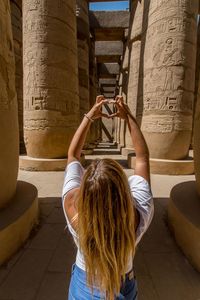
x=50, y=77
x=83, y=36
x=138, y=22
x=107, y=81
x=109, y=95
x=109, y=34
x=109, y=19
x=83, y=73
x=82, y=19
x=169, y=77
x=16, y=14
x=197, y=140
x=132, y=85
x=108, y=89
x=8, y=109
x=108, y=51
x=125, y=63
x=108, y=70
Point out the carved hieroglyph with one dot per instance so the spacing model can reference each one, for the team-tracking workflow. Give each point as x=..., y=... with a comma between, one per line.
x=51, y=109
x=169, y=77
x=16, y=14
x=9, y=149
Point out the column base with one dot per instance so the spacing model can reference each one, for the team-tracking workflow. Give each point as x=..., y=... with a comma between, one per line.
x=18, y=219
x=127, y=151
x=43, y=164
x=184, y=220
x=166, y=167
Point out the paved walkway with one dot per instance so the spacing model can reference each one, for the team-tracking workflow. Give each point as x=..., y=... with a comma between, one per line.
x=41, y=269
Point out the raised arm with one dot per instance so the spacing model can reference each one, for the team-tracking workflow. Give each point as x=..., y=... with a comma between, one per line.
x=77, y=143
x=139, y=143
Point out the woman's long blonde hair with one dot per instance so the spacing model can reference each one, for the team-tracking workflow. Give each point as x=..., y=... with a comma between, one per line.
x=106, y=225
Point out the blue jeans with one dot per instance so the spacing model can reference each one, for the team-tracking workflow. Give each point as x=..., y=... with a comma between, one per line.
x=78, y=289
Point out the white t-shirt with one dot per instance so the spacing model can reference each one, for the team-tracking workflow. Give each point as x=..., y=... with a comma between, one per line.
x=142, y=198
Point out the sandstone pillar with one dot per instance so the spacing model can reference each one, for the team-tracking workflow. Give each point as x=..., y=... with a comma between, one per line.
x=8, y=109
x=50, y=77
x=133, y=64
x=197, y=139
x=18, y=201
x=94, y=136
x=132, y=88
x=16, y=14
x=83, y=35
x=169, y=77
x=123, y=84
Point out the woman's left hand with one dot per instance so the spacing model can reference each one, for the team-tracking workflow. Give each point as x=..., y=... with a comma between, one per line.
x=96, y=110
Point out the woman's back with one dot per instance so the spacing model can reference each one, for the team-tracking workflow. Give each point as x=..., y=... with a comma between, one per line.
x=105, y=231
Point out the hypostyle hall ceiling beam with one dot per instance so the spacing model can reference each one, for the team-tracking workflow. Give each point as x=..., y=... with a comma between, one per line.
x=108, y=51
x=109, y=25
x=108, y=70
x=108, y=82
x=109, y=19
x=105, y=0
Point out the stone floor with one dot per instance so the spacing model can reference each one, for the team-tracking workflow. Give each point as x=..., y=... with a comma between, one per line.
x=41, y=269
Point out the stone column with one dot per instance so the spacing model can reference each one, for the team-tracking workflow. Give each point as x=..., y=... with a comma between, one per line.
x=169, y=77
x=124, y=134
x=16, y=18
x=92, y=89
x=50, y=77
x=133, y=64
x=83, y=35
x=18, y=200
x=8, y=109
x=132, y=88
x=197, y=140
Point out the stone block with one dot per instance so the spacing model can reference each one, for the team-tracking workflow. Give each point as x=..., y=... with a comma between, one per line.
x=108, y=89
x=108, y=51
x=107, y=81
x=108, y=70
x=109, y=19
x=109, y=34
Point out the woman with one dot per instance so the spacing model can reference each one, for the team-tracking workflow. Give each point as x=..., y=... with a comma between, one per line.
x=106, y=213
